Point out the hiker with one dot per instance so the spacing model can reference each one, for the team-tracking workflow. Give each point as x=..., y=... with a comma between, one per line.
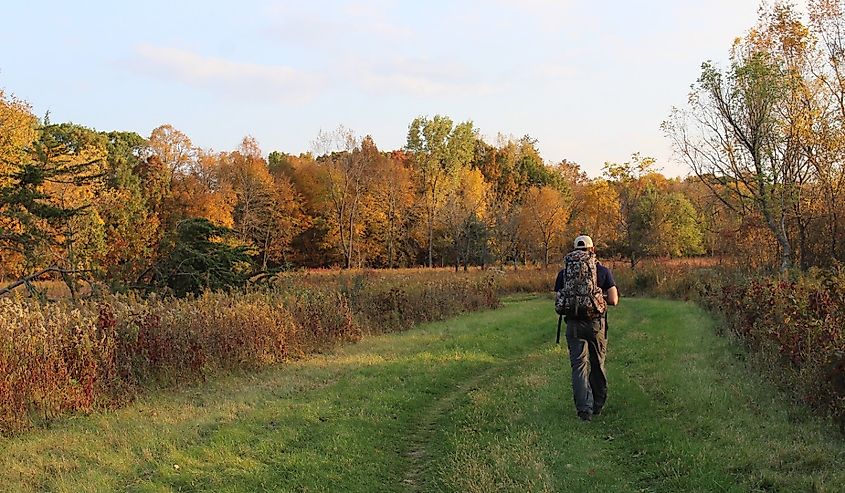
x=584, y=289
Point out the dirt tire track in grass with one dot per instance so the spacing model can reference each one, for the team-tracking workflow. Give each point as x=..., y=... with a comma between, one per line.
x=421, y=436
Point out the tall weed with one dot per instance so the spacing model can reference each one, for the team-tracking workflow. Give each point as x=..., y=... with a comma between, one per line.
x=62, y=357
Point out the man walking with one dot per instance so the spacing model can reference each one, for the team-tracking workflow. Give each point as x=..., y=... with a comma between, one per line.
x=584, y=289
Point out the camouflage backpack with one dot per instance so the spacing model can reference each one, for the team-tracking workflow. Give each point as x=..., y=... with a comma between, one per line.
x=580, y=298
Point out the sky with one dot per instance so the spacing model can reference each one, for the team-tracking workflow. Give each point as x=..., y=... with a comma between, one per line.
x=590, y=80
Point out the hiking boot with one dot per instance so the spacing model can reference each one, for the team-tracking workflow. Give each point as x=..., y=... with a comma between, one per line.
x=596, y=411
x=585, y=416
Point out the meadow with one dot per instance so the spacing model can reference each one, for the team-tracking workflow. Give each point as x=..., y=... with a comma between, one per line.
x=476, y=403
x=65, y=357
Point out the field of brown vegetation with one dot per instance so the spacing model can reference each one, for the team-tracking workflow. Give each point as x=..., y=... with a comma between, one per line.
x=65, y=357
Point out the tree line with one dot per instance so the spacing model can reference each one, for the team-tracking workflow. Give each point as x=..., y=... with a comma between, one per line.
x=130, y=211
x=764, y=136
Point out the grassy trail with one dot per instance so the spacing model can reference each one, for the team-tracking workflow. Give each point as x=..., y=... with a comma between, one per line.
x=479, y=403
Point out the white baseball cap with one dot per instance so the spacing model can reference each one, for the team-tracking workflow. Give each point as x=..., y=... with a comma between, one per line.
x=583, y=241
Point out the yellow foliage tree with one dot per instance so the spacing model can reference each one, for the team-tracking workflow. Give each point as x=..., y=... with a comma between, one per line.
x=464, y=210
x=17, y=132
x=544, y=216
x=595, y=212
x=387, y=209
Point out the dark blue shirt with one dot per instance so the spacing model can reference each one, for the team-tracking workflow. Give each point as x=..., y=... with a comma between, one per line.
x=604, y=278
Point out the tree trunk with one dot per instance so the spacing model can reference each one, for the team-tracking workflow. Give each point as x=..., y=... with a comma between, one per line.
x=351, y=235
x=802, y=245
x=67, y=277
x=266, y=248
x=786, y=253
x=390, y=225
x=779, y=230
x=834, y=227
x=341, y=229
x=430, y=239
x=467, y=253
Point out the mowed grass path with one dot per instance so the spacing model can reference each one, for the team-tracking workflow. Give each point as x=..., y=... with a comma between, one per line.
x=478, y=403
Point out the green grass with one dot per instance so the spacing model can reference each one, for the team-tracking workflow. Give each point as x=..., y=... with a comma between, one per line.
x=478, y=403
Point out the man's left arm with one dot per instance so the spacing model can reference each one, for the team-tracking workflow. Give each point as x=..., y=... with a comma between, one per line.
x=608, y=286
x=612, y=296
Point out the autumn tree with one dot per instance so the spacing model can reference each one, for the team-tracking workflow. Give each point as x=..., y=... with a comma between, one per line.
x=18, y=129
x=742, y=132
x=287, y=220
x=390, y=204
x=245, y=173
x=826, y=154
x=280, y=163
x=173, y=148
x=508, y=237
x=628, y=181
x=205, y=191
x=348, y=164
x=266, y=213
x=47, y=202
x=545, y=213
x=596, y=212
x=512, y=168
x=462, y=215
x=127, y=207
x=317, y=244
x=17, y=132
x=439, y=148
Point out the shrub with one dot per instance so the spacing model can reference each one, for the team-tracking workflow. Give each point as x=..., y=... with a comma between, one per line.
x=527, y=280
x=796, y=323
x=198, y=257
x=57, y=358
x=664, y=279
x=63, y=357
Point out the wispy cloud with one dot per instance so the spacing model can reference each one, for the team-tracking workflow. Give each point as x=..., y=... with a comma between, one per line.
x=537, y=6
x=337, y=26
x=381, y=47
x=229, y=78
x=545, y=14
x=556, y=71
x=422, y=77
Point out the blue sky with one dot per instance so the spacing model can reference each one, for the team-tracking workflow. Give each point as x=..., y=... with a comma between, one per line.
x=591, y=81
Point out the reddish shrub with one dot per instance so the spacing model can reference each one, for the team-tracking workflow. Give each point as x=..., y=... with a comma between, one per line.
x=800, y=321
x=61, y=357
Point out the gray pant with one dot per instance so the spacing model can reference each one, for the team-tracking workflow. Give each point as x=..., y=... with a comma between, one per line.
x=587, y=342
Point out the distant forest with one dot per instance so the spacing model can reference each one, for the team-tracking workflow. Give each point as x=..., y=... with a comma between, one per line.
x=764, y=136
